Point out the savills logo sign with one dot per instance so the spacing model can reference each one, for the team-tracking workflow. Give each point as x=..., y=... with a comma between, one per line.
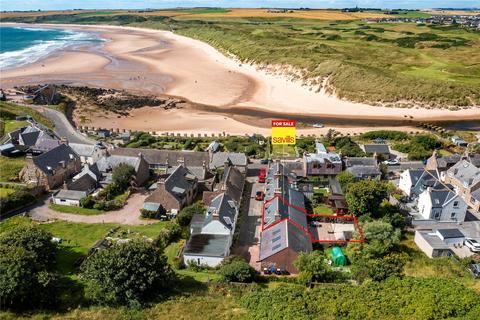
x=283, y=131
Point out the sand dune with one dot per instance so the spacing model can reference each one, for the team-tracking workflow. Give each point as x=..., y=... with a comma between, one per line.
x=160, y=62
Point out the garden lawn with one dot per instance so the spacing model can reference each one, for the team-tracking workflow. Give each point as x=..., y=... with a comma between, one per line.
x=4, y=192
x=322, y=209
x=75, y=210
x=10, y=168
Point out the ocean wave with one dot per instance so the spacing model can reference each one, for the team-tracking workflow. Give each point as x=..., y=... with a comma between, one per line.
x=42, y=48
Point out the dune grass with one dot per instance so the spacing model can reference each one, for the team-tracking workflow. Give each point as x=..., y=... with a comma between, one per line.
x=403, y=64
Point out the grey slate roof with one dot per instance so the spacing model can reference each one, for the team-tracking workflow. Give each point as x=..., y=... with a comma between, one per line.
x=51, y=159
x=235, y=158
x=84, y=150
x=465, y=172
x=277, y=183
x=29, y=138
x=376, y=148
x=360, y=161
x=283, y=235
x=179, y=182
x=161, y=157
x=84, y=183
x=70, y=194
x=474, y=159
x=361, y=171
x=210, y=245
x=450, y=233
x=440, y=198
x=45, y=143
x=445, y=162
x=222, y=208
x=107, y=163
x=233, y=182
x=422, y=179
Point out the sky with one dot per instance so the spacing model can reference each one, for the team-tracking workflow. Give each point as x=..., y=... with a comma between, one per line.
x=9, y=5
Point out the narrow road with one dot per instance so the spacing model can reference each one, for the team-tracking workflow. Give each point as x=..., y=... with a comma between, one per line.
x=63, y=127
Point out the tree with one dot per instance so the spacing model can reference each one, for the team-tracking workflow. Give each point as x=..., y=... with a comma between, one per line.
x=365, y=197
x=25, y=281
x=186, y=214
x=237, y=271
x=345, y=178
x=36, y=241
x=123, y=175
x=313, y=267
x=380, y=238
x=126, y=274
x=167, y=235
x=379, y=269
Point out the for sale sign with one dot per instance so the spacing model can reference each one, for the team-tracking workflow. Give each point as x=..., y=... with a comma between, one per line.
x=283, y=131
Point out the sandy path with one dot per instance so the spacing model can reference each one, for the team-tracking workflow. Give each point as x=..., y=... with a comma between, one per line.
x=157, y=62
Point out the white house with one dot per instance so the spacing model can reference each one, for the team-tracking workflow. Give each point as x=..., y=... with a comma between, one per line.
x=414, y=182
x=212, y=234
x=441, y=205
x=68, y=197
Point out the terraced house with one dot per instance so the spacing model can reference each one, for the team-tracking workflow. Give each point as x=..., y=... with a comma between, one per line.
x=465, y=179
x=52, y=168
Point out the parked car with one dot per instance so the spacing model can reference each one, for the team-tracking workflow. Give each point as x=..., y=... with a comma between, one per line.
x=262, y=175
x=264, y=161
x=472, y=244
x=474, y=269
x=259, y=196
x=392, y=162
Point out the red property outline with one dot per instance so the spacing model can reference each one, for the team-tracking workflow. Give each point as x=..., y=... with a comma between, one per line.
x=354, y=218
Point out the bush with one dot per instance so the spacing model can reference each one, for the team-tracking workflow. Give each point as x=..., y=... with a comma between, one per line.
x=15, y=200
x=184, y=217
x=379, y=269
x=123, y=175
x=237, y=271
x=126, y=274
x=87, y=202
x=167, y=236
x=27, y=256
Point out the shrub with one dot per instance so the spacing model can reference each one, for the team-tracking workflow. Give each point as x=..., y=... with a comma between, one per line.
x=123, y=175
x=15, y=200
x=186, y=214
x=87, y=202
x=237, y=271
x=126, y=274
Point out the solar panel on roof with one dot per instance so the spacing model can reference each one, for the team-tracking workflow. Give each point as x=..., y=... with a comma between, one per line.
x=275, y=247
x=178, y=190
x=276, y=239
x=276, y=232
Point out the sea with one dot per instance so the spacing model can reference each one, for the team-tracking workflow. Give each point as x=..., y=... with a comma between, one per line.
x=23, y=45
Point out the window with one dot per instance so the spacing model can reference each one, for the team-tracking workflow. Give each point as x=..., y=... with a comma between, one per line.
x=455, y=204
x=437, y=215
x=63, y=200
x=453, y=214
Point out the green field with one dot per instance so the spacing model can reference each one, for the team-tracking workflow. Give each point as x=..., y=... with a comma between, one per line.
x=388, y=63
x=4, y=192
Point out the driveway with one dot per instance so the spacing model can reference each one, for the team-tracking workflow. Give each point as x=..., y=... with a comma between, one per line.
x=249, y=237
x=129, y=214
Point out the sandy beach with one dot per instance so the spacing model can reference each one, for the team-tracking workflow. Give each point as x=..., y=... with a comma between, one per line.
x=160, y=62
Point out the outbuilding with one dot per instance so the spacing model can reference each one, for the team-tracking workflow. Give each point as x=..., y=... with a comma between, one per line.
x=68, y=197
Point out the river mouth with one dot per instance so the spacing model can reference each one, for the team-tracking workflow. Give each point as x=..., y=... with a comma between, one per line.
x=343, y=121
